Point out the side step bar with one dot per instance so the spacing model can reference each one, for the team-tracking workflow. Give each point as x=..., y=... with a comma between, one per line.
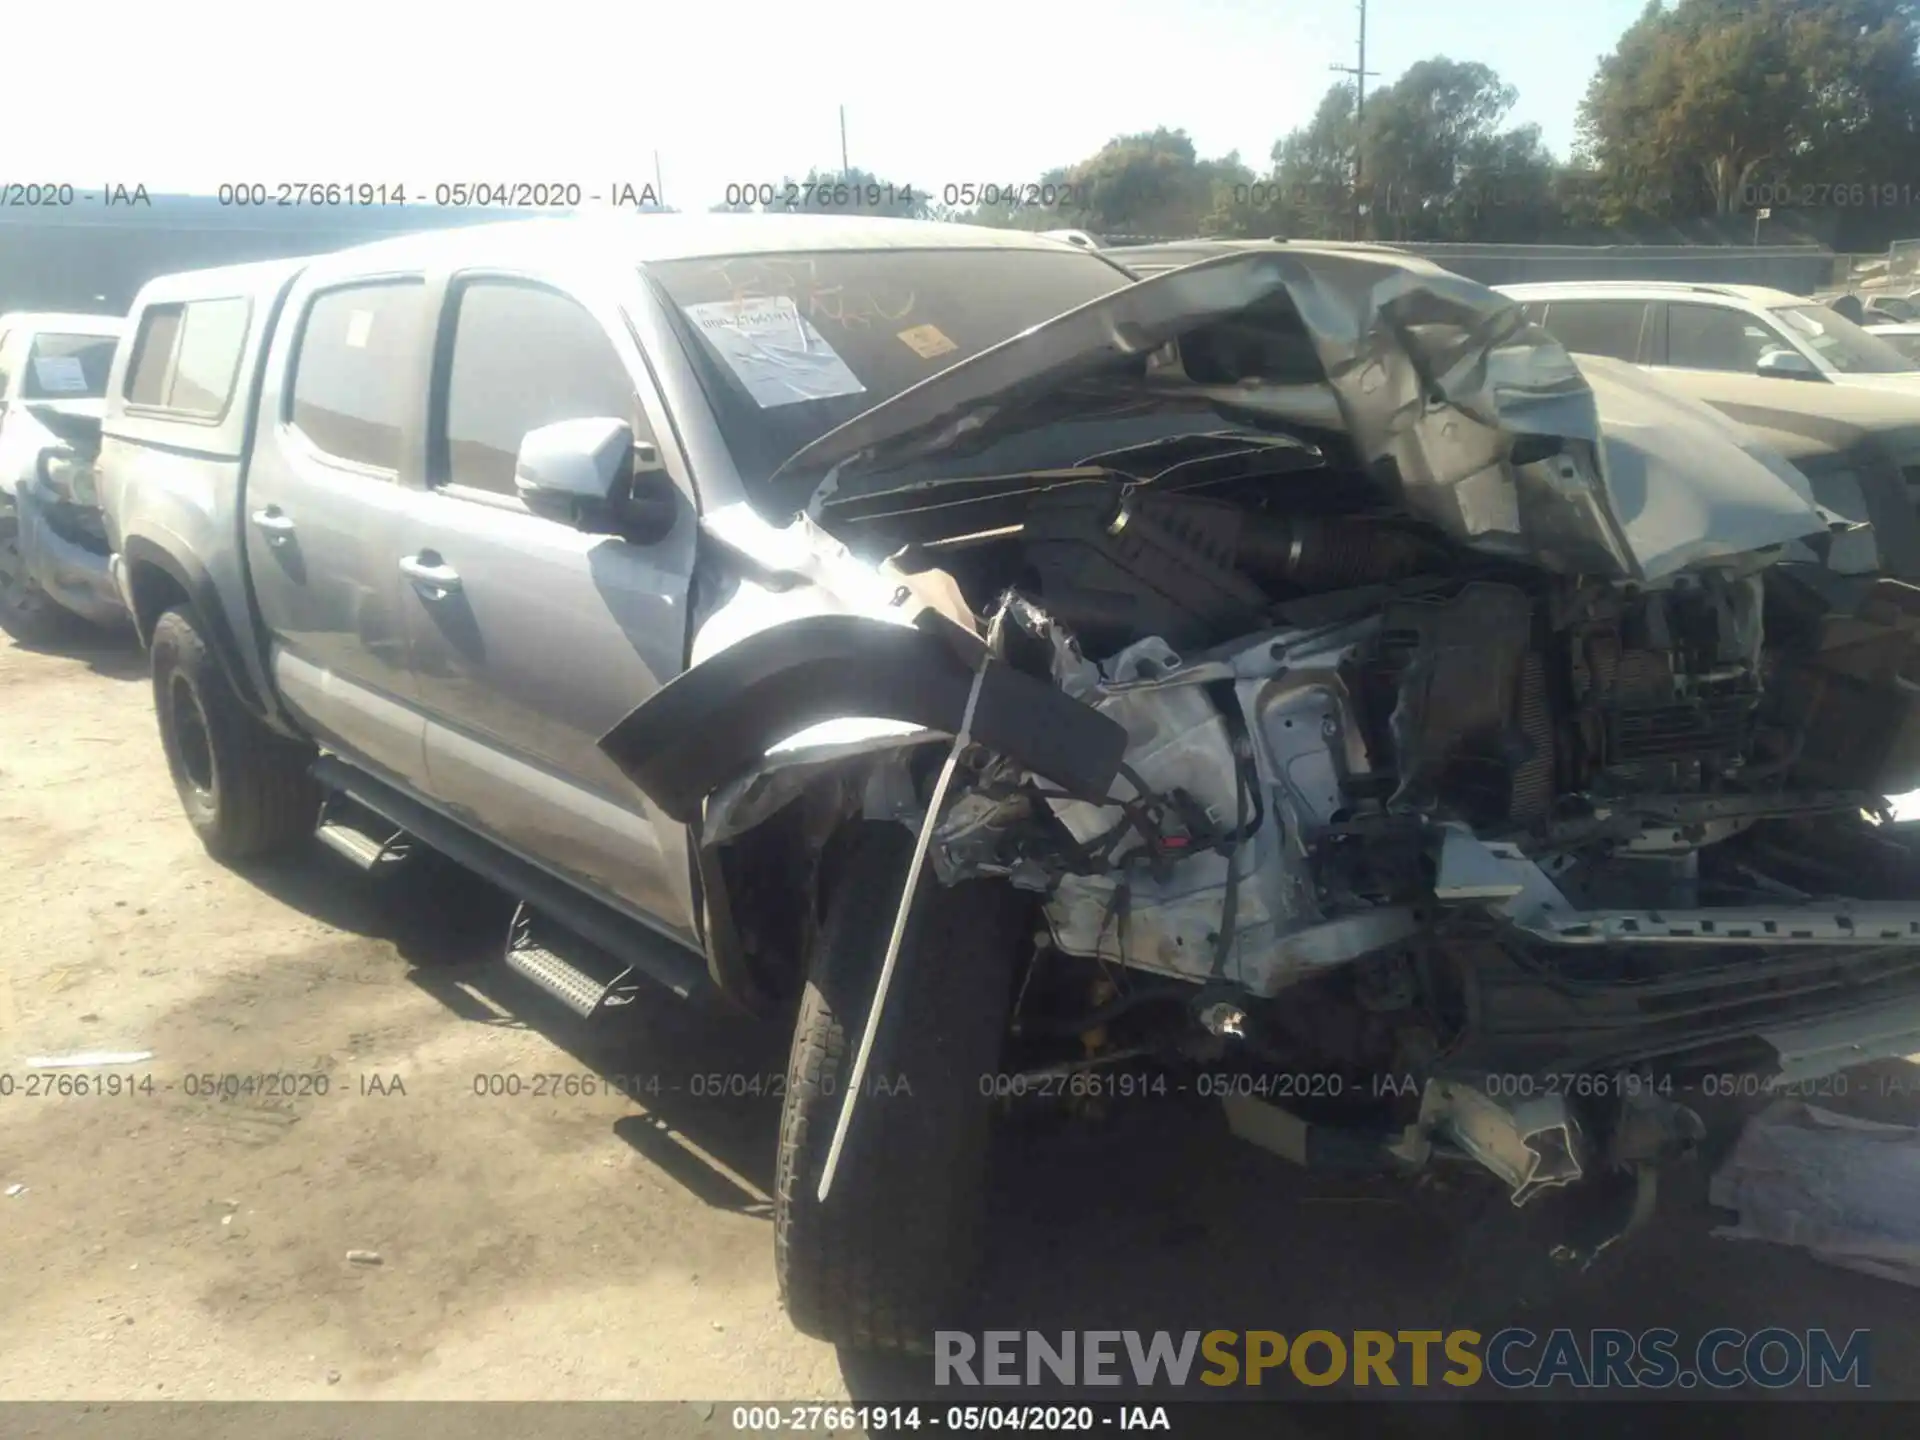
x=622, y=941
x=565, y=966
x=365, y=850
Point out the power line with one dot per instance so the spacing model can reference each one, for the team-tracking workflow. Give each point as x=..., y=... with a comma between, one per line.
x=1360, y=74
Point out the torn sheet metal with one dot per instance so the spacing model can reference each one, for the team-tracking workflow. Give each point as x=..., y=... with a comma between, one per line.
x=1840, y=1188
x=1533, y=1145
x=774, y=350
x=1480, y=418
x=1691, y=486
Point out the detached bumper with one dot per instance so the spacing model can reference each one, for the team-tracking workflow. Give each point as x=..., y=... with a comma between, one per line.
x=74, y=575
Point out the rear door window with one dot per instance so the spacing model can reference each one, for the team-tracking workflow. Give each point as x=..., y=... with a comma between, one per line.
x=186, y=357
x=1715, y=337
x=524, y=356
x=353, y=373
x=152, y=366
x=1598, y=327
x=204, y=367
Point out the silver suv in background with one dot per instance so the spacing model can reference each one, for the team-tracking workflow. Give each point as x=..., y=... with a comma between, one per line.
x=53, y=550
x=1746, y=329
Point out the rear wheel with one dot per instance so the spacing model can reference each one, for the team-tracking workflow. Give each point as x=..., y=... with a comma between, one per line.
x=880, y=1263
x=246, y=790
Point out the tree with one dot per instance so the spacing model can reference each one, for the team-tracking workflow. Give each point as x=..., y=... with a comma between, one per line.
x=1313, y=167
x=1700, y=103
x=1435, y=163
x=1152, y=183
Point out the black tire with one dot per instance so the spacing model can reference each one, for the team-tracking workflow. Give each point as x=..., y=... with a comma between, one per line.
x=26, y=611
x=247, y=791
x=881, y=1263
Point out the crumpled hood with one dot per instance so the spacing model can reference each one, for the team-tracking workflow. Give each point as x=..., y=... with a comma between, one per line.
x=1479, y=419
x=1691, y=486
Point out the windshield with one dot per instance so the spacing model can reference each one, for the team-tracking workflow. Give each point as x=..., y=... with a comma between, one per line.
x=1907, y=344
x=1893, y=307
x=792, y=346
x=1841, y=344
x=67, y=367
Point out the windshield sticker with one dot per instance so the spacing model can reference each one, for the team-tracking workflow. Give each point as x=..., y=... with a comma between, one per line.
x=60, y=374
x=359, y=327
x=774, y=350
x=927, y=341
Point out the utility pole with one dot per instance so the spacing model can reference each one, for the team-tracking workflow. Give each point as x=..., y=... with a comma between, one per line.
x=1360, y=74
x=844, y=167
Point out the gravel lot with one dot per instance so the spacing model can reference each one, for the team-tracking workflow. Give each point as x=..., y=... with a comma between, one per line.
x=171, y=1243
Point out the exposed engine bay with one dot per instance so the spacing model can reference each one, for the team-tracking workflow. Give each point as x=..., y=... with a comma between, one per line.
x=1331, y=717
x=1390, y=806
x=1398, y=700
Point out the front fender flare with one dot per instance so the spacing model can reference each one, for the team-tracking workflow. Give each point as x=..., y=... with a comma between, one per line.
x=717, y=720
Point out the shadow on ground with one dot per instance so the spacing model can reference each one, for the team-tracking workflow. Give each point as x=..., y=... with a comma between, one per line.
x=1156, y=1218
x=111, y=651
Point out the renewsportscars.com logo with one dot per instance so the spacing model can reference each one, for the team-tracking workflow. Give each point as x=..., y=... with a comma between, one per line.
x=1512, y=1359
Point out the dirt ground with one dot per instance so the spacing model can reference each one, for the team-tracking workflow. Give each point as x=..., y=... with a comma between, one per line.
x=172, y=1242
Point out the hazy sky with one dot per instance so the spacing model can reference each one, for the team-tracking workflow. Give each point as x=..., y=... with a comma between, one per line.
x=190, y=93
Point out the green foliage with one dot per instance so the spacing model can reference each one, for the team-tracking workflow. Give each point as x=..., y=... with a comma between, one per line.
x=1701, y=103
x=1434, y=163
x=1697, y=105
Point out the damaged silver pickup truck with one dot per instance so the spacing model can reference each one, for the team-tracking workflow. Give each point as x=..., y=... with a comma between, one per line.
x=1289, y=668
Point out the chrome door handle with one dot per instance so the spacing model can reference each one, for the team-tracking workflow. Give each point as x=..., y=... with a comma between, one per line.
x=431, y=576
x=277, y=527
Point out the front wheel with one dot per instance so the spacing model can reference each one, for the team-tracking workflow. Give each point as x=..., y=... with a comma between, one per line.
x=879, y=1264
x=26, y=611
x=247, y=791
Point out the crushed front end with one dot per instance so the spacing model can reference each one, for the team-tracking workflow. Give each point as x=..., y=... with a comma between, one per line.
x=1497, y=752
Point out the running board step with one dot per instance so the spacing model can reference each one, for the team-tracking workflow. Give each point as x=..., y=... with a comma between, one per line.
x=578, y=974
x=368, y=850
x=658, y=957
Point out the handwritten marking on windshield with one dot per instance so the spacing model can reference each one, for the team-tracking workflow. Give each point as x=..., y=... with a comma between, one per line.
x=800, y=281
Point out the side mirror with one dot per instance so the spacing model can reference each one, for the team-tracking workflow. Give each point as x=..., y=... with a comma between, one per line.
x=593, y=475
x=1786, y=365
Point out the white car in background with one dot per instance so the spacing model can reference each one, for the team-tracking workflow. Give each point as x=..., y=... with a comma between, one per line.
x=1740, y=328
x=1903, y=337
x=53, y=548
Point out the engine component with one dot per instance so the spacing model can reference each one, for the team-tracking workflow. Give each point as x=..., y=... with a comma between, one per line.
x=1312, y=553
x=1115, y=566
x=1121, y=563
x=1533, y=1145
x=1664, y=688
x=1851, y=694
x=1466, y=724
x=1243, y=909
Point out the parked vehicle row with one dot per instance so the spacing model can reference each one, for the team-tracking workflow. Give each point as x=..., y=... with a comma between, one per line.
x=1744, y=329
x=53, y=551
